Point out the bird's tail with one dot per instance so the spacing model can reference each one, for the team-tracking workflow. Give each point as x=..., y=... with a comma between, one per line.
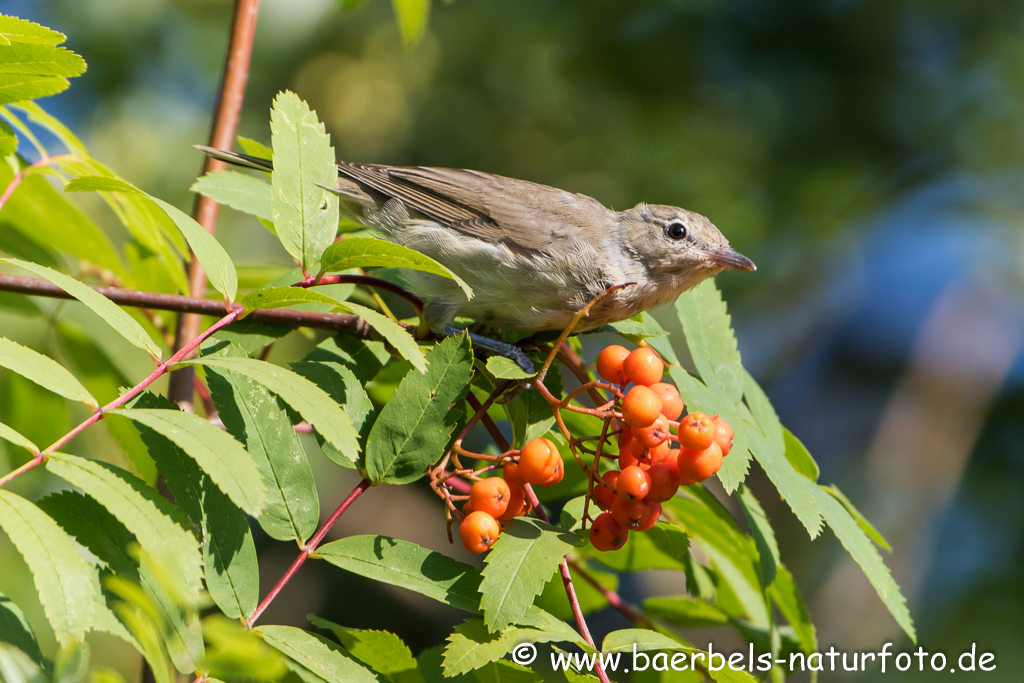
x=237, y=159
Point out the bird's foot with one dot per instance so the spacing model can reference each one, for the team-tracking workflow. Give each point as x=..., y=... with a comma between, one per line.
x=493, y=347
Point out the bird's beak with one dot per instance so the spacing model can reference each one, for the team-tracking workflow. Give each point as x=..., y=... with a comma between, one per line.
x=733, y=260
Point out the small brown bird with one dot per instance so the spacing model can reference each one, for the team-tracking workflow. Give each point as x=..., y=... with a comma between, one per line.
x=534, y=255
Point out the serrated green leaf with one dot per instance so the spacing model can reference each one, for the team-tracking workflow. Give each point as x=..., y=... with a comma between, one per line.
x=143, y=511
x=864, y=554
x=123, y=323
x=682, y=610
x=17, y=87
x=255, y=417
x=862, y=521
x=505, y=368
x=305, y=214
x=17, y=439
x=345, y=389
x=309, y=400
x=413, y=429
x=799, y=457
x=40, y=60
x=710, y=339
x=471, y=645
x=211, y=255
x=382, y=651
x=370, y=252
x=230, y=467
x=645, y=640
x=411, y=16
x=525, y=556
x=317, y=654
x=642, y=326
x=237, y=190
x=504, y=671
x=395, y=334
x=44, y=371
x=787, y=598
x=15, y=630
x=229, y=556
x=407, y=565
x=17, y=30
x=732, y=554
x=553, y=599
x=8, y=139
x=62, y=577
x=764, y=535
x=364, y=358
x=41, y=117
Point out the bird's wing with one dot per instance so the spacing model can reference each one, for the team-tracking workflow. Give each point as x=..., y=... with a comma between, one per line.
x=524, y=216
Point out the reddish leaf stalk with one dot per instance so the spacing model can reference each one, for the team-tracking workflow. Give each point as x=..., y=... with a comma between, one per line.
x=366, y=281
x=308, y=550
x=613, y=598
x=577, y=613
x=126, y=397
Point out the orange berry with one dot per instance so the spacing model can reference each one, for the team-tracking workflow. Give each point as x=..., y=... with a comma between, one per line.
x=695, y=465
x=609, y=363
x=510, y=472
x=479, y=531
x=607, y=534
x=643, y=367
x=490, y=496
x=604, y=496
x=640, y=407
x=671, y=401
x=664, y=482
x=625, y=436
x=696, y=431
x=654, y=434
x=516, y=502
x=659, y=453
x=630, y=514
x=652, y=517
x=723, y=435
x=540, y=463
x=633, y=484
x=467, y=507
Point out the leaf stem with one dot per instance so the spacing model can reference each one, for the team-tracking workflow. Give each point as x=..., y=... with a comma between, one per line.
x=577, y=613
x=367, y=281
x=308, y=550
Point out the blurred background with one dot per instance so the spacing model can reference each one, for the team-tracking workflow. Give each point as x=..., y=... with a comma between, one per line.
x=867, y=155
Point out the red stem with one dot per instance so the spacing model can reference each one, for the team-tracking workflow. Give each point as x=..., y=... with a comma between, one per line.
x=577, y=613
x=311, y=546
x=366, y=281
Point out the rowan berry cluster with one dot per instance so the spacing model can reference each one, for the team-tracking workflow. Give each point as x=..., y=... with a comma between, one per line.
x=658, y=450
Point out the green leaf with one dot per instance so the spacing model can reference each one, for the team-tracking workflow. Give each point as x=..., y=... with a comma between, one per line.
x=411, y=16
x=229, y=555
x=710, y=338
x=123, y=323
x=345, y=389
x=143, y=511
x=370, y=252
x=40, y=60
x=15, y=630
x=17, y=87
x=309, y=400
x=71, y=664
x=531, y=416
x=407, y=565
x=471, y=645
x=230, y=467
x=305, y=214
x=17, y=439
x=236, y=653
x=382, y=651
x=8, y=139
x=44, y=119
x=505, y=368
x=786, y=596
x=44, y=371
x=522, y=560
x=644, y=640
x=414, y=427
x=62, y=577
x=662, y=547
x=504, y=671
x=864, y=554
x=237, y=190
x=16, y=30
x=364, y=358
x=799, y=457
x=641, y=326
x=862, y=521
x=395, y=334
x=764, y=536
x=18, y=667
x=554, y=600
x=255, y=417
x=682, y=610
x=317, y=654
x=211, y=255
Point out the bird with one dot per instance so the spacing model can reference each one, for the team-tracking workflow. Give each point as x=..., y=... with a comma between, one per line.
x=534, y=255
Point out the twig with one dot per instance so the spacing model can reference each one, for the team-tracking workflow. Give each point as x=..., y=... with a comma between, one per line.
x=308, y=550
x=367, y=281
x=577, y=613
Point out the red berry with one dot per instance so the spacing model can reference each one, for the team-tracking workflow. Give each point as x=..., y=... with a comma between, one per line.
x=723, y=435
x=491, y=496
x=607, y=534
x=510, y=472
x=697, y=465
x=633, y=484
x=671, y=401
x=540, y=463
x=478, y=531
x=654, y=434
x=696, y=431
x=640, y=407
x=643, y=367
x=604, y=496
x=664, y=482
x=652, y=517
x=630, y=514
x=516, y=503
x=609, y=363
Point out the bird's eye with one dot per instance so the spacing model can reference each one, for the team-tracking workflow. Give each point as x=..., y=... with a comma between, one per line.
x=676, y=230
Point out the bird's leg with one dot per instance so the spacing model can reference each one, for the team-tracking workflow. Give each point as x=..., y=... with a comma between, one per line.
x=494, y=347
